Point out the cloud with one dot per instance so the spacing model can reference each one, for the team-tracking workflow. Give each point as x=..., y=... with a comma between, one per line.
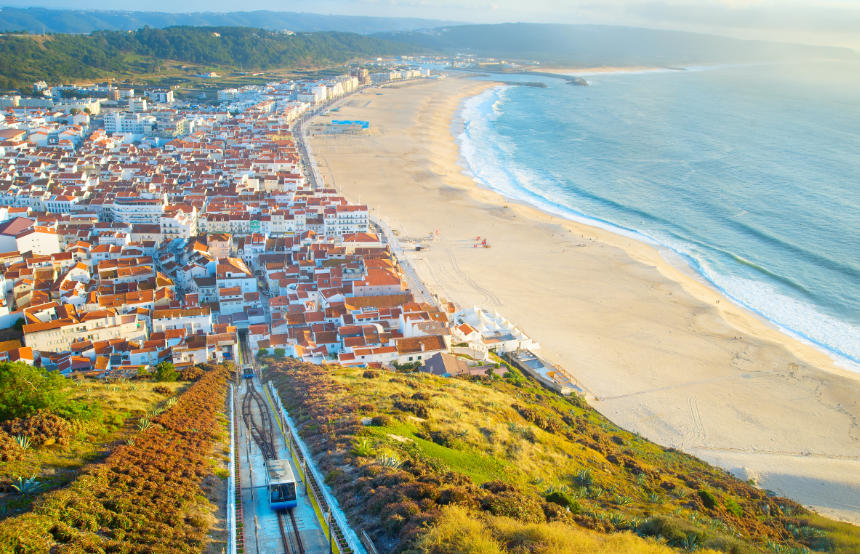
x=819, y=17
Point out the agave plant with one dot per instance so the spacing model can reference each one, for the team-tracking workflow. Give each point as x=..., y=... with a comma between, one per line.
x=595, y=492
x=623, y=500
x=171, y=402
x=362, y=447
x=23, y=441
x=584, y=478
x=617, y=520
x=388, y=461
x=143, y=424
x=27, y=486
x=690, y=542
x=129, y=442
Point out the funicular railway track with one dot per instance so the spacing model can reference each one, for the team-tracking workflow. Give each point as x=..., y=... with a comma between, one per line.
x=255, y=414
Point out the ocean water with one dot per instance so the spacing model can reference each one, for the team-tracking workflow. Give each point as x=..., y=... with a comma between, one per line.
x=750, y=173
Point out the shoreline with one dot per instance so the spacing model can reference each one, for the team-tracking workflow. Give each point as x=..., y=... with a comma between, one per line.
x=841, y=361
x=651, y=314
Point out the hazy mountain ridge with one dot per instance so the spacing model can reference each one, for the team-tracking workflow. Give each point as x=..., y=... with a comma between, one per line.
x=605, y=45
x=43, y=20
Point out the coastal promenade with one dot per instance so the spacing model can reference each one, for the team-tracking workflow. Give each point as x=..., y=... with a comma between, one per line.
x=660, y=352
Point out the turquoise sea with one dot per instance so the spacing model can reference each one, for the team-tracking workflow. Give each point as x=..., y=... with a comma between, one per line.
x=751, y=173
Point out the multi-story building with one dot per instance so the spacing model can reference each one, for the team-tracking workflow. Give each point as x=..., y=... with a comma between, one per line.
x=137, y=210
x=161, y=96
x=193, y=320
x=59, y=334
x=129, y=123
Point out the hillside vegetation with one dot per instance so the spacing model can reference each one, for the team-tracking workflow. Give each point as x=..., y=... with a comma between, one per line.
x=146, y=496
x=51, y=427
x=56, y=58
x=428, y=464
x=44, y=20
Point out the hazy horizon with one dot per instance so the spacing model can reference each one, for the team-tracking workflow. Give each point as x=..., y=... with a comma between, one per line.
x=828, y=23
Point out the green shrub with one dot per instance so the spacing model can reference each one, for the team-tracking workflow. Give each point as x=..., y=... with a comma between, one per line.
x=733, y=507
x=406, y=367
x=165, y=372
x=24, y=390
x=333, y=476
x=708, y=499
x=676, y=532
x=565, y=501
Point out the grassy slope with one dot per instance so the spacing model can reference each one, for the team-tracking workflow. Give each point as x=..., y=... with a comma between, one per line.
x=498, y=449
x=122, y=405
x=149, y=494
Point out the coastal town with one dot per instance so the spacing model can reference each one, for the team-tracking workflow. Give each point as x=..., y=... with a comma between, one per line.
x=137, y=230
x=427, y=279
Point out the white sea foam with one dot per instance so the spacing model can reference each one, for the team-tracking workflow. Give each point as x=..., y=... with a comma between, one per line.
x=487, y=156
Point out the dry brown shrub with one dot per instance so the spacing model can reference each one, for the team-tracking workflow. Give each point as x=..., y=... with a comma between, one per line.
x=43, y=429
x=10, y=450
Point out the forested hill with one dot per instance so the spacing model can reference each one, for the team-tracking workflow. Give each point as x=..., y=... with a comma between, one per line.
x=25, y=59
x=607, y=45
x=43, y=20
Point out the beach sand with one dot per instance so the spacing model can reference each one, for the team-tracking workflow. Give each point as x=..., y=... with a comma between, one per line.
x=657, y=350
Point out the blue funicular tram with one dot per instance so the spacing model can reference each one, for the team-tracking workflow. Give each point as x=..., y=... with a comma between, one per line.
x=281, y=484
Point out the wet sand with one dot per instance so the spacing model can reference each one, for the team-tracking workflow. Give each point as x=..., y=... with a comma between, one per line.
x=656, y=349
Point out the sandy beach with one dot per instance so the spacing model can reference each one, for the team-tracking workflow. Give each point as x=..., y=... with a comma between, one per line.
x=657, y=350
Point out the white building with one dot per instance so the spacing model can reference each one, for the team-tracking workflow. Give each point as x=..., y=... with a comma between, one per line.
x=137, y=210
x=228, y=95
x=59, y=334
x=344, y=220
x=179, y=224
x=484, y=330
x=161, y=96
x=21, y=235
x=194, y=320
x=137, y=104
x=129, y=123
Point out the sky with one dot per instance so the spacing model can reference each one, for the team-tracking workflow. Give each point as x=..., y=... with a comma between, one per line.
x=831, y=22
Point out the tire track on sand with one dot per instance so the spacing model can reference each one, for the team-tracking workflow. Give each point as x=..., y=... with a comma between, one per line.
x=488, y=296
